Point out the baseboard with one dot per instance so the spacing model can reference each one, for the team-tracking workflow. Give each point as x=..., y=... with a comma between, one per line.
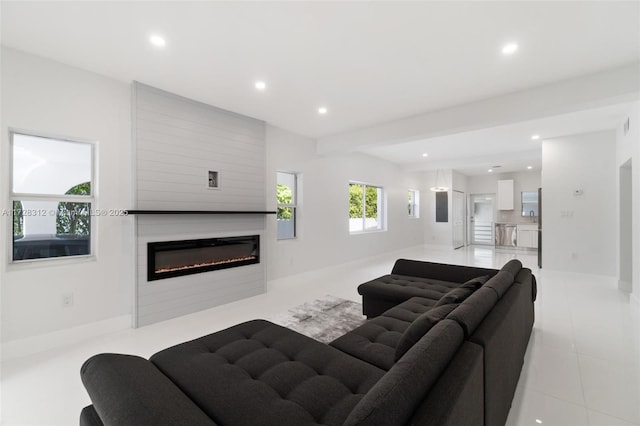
x=44, y=342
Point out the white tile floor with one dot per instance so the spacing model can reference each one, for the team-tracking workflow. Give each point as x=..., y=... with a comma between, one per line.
x=582, y=366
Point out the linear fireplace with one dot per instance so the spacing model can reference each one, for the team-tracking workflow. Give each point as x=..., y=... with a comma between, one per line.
x=175, y=258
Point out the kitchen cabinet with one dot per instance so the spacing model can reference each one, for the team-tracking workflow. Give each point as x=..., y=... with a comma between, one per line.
x=505, y=194
x=527, y=236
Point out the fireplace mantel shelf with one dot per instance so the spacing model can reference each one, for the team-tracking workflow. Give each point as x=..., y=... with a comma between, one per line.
x=198, y=212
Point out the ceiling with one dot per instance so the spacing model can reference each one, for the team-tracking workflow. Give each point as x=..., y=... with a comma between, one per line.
x=367, y=62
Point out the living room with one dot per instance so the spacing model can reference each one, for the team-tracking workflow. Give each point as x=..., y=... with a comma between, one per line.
x=57, y=83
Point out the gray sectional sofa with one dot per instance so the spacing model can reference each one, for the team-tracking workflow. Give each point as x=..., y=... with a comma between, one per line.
x=447, y=351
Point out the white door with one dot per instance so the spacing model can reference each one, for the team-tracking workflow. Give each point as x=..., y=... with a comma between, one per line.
x=481, y=218
x=458, y=219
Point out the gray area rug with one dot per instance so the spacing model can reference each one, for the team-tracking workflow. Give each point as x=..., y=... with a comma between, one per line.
x=323, y=319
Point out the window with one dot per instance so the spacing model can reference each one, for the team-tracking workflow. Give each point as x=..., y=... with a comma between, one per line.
x=365, y=208
x=52, y=194
x=286, y=192
x=414, y=203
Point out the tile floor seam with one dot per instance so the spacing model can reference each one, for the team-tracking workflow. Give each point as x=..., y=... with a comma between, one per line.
x=611, y=415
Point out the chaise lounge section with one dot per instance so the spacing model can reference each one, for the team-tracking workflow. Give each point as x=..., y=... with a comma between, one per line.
x=416, y=363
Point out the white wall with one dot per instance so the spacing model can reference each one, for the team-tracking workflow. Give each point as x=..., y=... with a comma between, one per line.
x=47, y=97
x=579, y=233
x=323, y=234
x=628, y=147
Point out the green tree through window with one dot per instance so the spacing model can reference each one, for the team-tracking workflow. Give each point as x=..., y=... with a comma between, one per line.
x=284, y=197
x=364, y=204
x=18, y=219
x=73, y=218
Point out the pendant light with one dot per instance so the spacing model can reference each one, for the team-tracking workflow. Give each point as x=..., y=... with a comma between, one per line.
x=438, y=187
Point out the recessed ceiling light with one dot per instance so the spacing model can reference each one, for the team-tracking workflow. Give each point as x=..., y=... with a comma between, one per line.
x=535, y=137
x=529, y=167
x=509, y=49
x=157, y=41
x=322, y=110
x=490, y=170
x=261, y=85
x=425, y=155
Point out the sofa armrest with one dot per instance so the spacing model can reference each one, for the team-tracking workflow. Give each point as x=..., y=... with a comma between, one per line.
x=130, y=390
x=439, y=271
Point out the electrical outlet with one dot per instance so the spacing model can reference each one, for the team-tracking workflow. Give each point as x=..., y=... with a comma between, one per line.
x=67, y=300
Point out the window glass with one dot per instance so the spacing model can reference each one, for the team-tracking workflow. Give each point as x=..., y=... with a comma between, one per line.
x=286, y=193
x=49, y=166
x=414, y=203
x=51, y=197
x=365, y=207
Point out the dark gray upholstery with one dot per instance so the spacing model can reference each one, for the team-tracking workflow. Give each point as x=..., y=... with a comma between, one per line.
x=420, y=327
x=411, y=309
x=501, y=282
x=501, y=336
x=462, y=371
x=439, y=271
x=457, y=398
x=129, y=390
x=472, y=311
x=374, y=342
x=513, y=267
x=401, y=391
x=89, y=417
x=458, y=294
x=412, y=278
x=261, y=373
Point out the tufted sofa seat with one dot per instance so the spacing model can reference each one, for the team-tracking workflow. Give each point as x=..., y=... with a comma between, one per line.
x=261, y=361
x=376, y=340
x=259, y=373
x=454, y=360
x=409, y=278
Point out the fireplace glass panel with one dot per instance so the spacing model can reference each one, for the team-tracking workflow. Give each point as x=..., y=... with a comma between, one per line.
x=176, y=258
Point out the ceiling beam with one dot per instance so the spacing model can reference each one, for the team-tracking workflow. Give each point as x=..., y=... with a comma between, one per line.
x=591, y=91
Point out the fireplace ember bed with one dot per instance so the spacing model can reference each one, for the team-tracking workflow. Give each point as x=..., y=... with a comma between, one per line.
x=169, y=259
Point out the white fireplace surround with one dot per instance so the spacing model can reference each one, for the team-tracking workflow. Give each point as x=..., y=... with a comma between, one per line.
x=177, y=142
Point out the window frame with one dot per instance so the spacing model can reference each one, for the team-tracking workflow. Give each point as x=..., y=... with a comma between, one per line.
x=60, y=198
x=414, y=204
x=381, y=209
x=293, y=206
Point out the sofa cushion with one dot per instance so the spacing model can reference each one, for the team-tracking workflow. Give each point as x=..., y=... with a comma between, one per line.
x=89, y=417
x=513, y=267
x=395, y=397
x=261, y=372
x=470, y=313
x=374, y=341
x=410, y=309
x=439, y=271
x=402, y=287
x=420, y=327
x=500, y=282
x=119, y=385
x=457, y=295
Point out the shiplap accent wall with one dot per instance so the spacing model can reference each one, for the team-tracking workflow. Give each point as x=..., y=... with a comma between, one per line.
x=177, y=142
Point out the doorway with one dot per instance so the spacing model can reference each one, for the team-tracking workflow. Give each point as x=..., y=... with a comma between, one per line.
x=458, y=219
x=481, y=218
x=626, y=227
